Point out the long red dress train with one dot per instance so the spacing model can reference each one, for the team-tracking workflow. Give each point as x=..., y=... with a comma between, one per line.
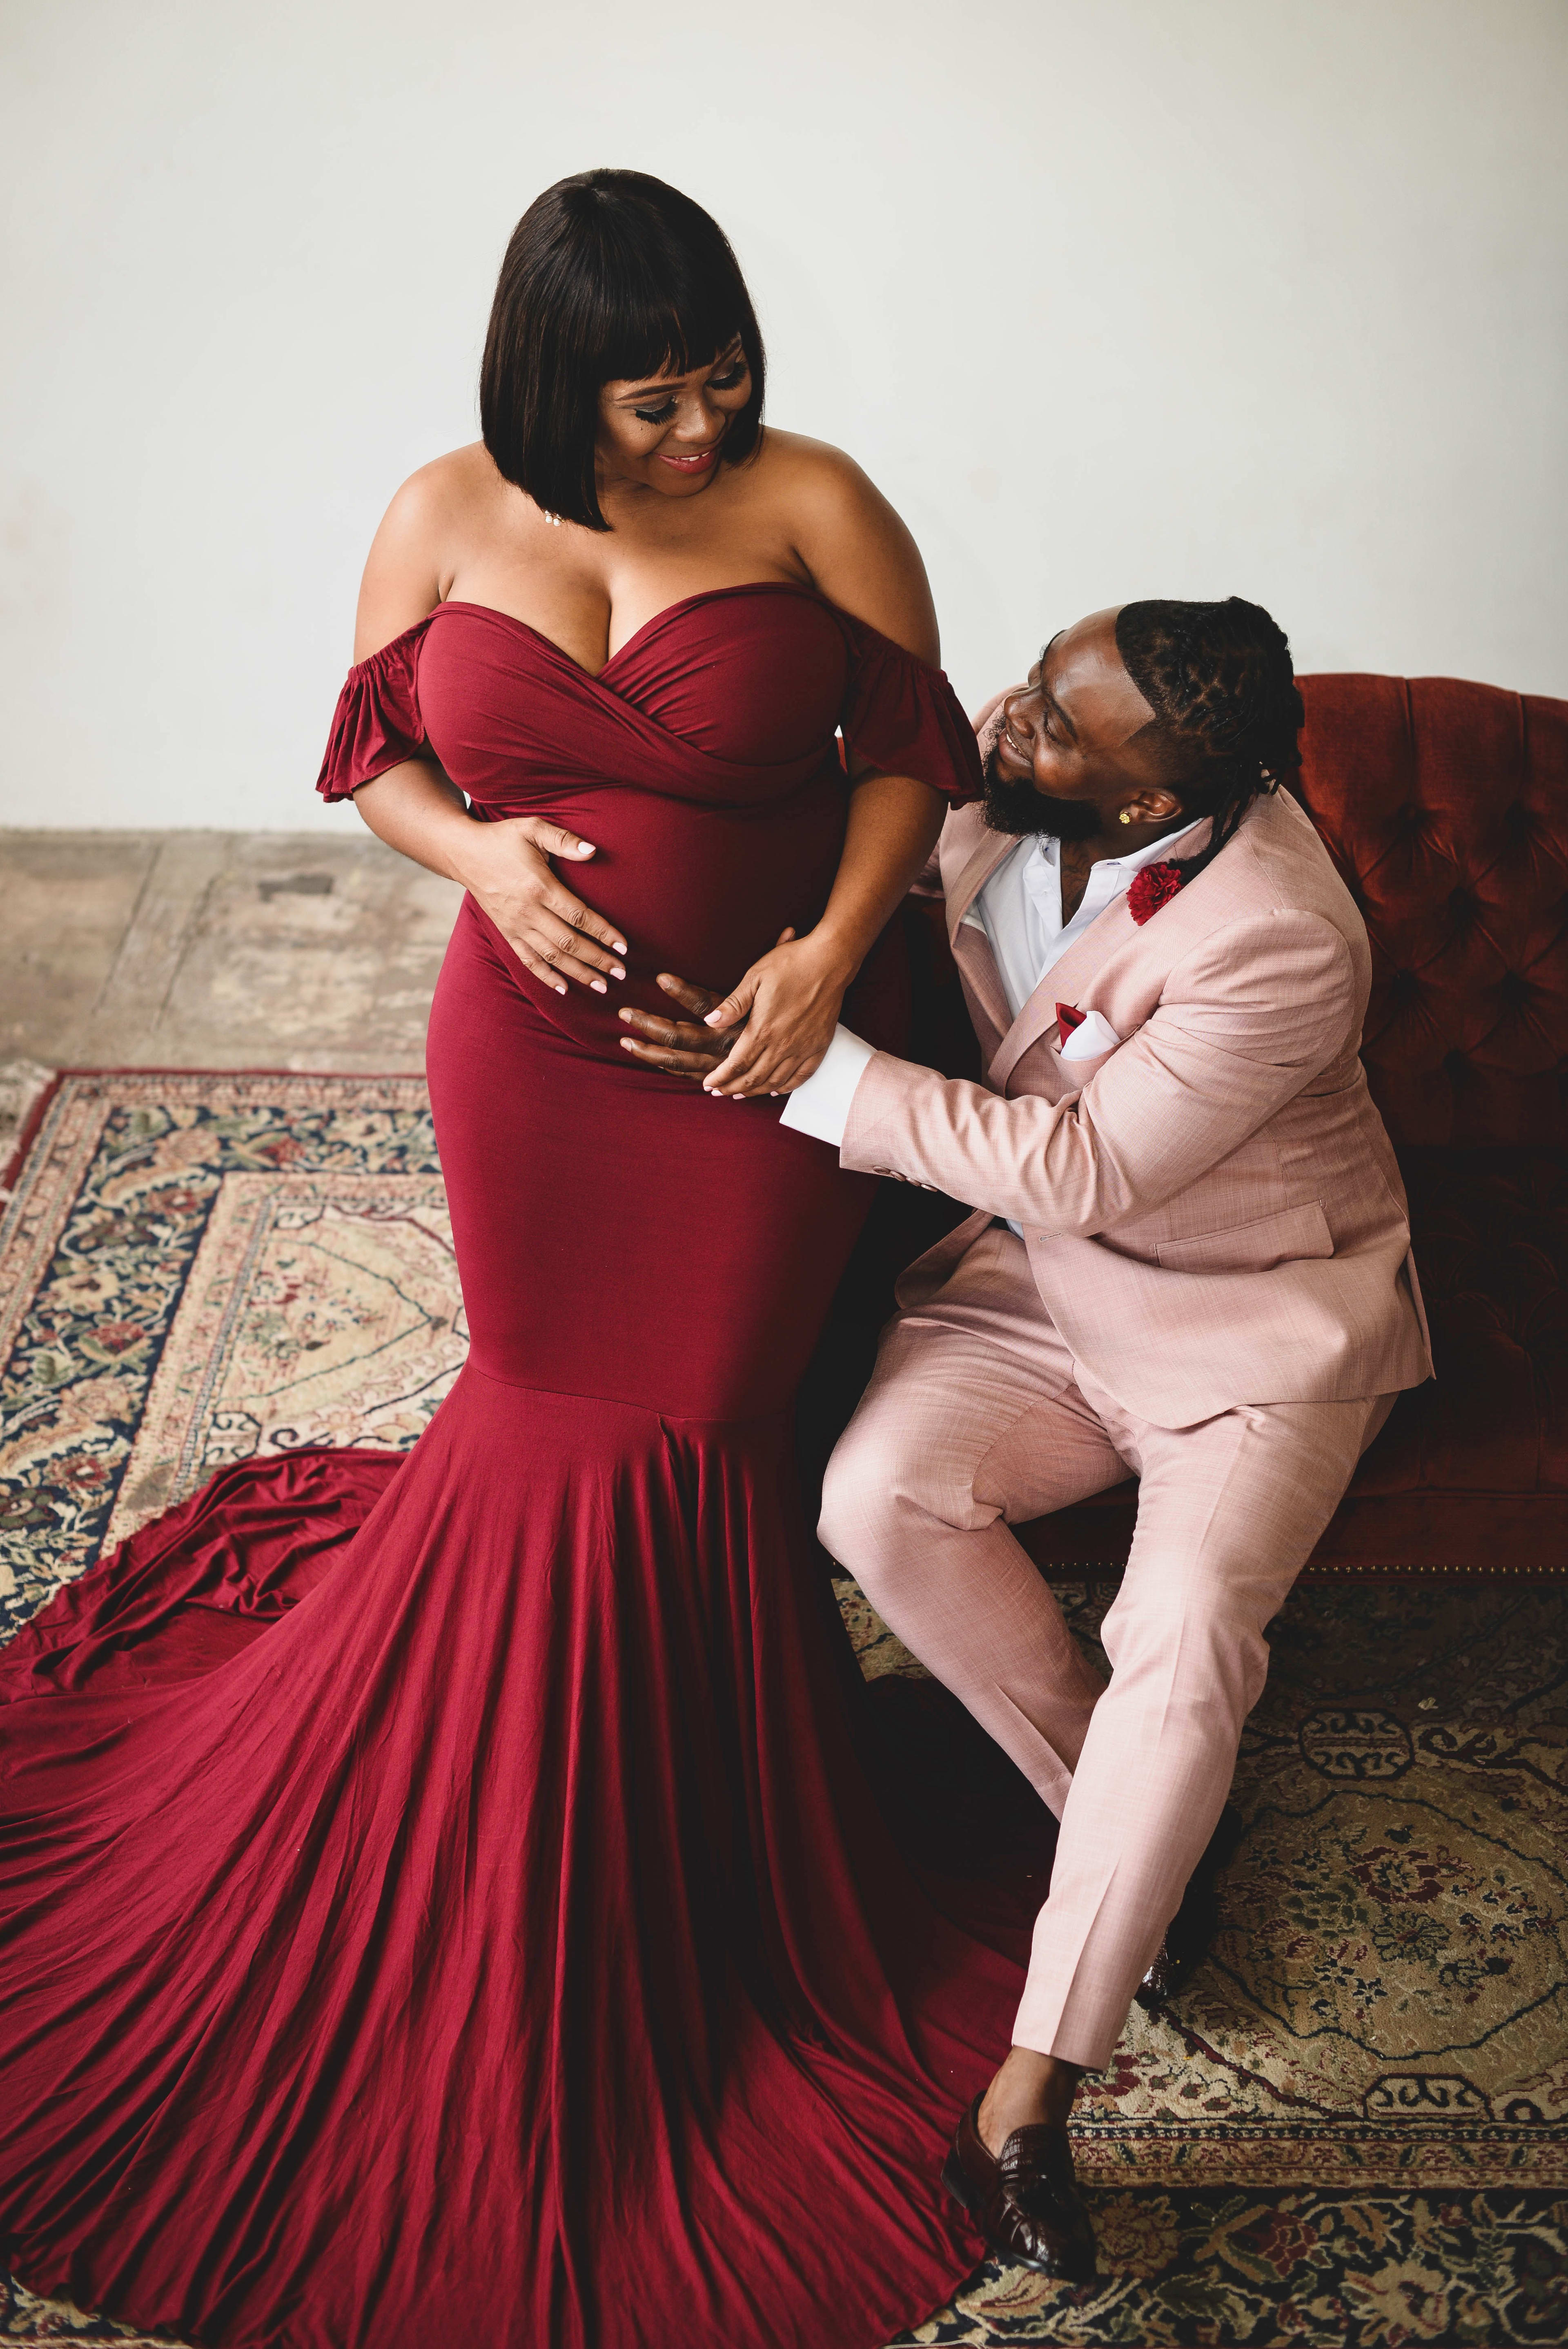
x=477, y=1927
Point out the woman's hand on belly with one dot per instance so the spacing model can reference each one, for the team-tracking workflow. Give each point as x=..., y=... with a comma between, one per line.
x=786, y=1009
x=789, y=1004
x=506, y=869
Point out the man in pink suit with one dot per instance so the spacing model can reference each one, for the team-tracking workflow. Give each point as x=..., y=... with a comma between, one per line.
x=1190, y=1260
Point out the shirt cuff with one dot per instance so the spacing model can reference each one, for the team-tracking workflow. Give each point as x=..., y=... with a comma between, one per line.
x=821, y=1105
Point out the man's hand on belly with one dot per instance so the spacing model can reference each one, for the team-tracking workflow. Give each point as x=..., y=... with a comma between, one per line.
x=791, y=998
x=685, y=1048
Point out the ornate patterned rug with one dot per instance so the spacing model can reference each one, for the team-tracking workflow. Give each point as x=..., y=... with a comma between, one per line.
x=1354, y=2130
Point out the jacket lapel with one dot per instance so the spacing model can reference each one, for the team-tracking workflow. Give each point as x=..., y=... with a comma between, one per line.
x=977, y=968
x=972, y=850
x=971, y=947
x=973, y=873
x=1061, y=984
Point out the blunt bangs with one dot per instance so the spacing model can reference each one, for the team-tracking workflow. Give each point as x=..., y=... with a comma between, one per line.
x=609, y=275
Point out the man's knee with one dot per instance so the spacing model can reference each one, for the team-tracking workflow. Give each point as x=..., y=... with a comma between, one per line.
x=861, y=1503
x=1200, y=1639
x=887, y=1481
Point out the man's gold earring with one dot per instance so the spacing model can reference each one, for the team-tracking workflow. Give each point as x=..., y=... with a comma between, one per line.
x=1127, y=816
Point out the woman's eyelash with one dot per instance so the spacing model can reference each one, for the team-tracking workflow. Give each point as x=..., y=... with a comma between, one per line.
x=716, y=383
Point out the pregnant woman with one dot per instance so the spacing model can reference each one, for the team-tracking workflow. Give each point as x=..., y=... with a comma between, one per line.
x=479, y=1930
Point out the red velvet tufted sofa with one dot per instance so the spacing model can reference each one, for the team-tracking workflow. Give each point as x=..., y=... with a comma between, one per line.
x=1445, y=807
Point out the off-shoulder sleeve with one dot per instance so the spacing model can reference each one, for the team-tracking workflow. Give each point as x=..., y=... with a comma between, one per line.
x=377, y=723
x=905, y=717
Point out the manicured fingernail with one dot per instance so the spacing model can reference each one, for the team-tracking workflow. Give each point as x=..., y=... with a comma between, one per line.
x=712, y=1019
x=598, y=987
x=561, y=986
x=615, y=971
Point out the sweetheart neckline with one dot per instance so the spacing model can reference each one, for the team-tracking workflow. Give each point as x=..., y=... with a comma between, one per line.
x=593, y=675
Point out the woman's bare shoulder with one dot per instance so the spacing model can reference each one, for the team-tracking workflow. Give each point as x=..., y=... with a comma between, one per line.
x=852, y=541
x=432, y=517
x=460, y=488
x=793, y=463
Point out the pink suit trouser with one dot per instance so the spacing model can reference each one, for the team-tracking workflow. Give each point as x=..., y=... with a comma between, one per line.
x=978, y=1417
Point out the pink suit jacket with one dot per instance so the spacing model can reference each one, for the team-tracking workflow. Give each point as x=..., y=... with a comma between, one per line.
x=1212, y=1209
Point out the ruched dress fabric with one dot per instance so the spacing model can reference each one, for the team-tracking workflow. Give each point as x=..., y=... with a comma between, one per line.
x=442, y=1899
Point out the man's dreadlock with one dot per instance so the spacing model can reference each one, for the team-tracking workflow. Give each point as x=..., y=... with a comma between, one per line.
x=1219, y=679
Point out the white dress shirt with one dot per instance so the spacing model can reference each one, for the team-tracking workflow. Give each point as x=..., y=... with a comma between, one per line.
x=1019, y=910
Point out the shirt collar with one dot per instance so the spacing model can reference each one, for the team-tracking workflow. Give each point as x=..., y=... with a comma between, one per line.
x=1045, y=850
x=1151, y=854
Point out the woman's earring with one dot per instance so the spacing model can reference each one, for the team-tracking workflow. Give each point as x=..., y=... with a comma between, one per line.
x=1127, y=816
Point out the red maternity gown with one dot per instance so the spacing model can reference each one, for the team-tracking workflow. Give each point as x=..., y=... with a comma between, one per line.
x=474, y=1931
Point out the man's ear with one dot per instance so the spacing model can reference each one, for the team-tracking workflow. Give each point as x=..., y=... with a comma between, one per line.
x=1153, y=804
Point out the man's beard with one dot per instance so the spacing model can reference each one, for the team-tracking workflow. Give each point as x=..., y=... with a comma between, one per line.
x=1019, y=809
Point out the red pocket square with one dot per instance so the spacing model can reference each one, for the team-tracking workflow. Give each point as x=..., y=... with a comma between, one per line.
x=1068, y=1018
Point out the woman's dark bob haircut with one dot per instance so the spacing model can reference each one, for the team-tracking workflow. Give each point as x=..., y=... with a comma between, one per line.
x=609, y=275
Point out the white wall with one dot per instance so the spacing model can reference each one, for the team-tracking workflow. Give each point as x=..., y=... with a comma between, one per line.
x=1113, y=297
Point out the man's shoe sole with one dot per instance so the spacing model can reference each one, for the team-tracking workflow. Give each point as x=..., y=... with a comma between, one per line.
x=957, y=2183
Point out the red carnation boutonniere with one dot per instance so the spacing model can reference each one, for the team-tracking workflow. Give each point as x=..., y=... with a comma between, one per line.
x=1152, y=887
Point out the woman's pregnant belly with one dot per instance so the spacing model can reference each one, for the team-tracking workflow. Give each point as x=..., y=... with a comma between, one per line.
x=620, y=1232
x=693, y=888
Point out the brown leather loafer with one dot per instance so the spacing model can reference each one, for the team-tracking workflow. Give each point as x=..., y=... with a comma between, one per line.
x=1195, y=1923
x=1166, y=1976
x=1026, y=2205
